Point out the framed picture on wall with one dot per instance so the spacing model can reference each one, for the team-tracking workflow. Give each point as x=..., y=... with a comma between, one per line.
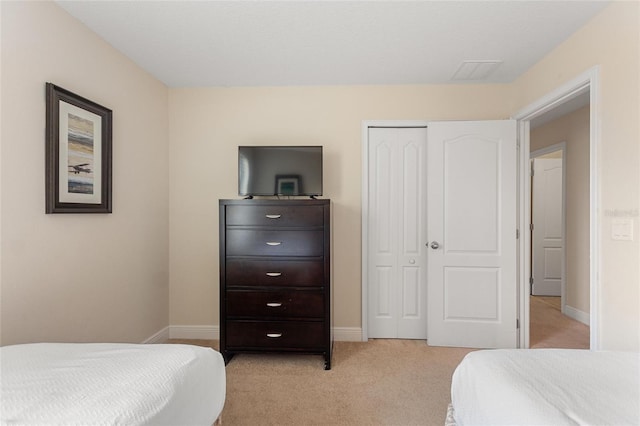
x=78, y=154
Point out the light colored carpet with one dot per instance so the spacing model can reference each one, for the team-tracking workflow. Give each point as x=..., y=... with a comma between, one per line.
x=380, y=382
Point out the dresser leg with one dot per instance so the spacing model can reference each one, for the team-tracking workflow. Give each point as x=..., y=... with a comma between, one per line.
x=227, y=357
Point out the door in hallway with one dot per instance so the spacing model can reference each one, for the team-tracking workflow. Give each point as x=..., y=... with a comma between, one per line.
x=547, y=234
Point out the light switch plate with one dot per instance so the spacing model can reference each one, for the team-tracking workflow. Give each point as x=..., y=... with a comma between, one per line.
x=622, y=229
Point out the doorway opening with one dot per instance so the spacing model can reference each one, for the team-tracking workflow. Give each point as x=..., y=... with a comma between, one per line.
x=548, y=219
x=559, y=292
x=579, y=297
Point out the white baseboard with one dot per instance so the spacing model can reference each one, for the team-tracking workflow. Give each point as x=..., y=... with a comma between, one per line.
x=200, y=332
x=212, y=332
x=347, y=334
x=577, y=315
x=160, y=337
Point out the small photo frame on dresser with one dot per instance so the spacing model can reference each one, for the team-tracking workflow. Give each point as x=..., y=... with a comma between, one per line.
x=287, y=185
x=78, y=154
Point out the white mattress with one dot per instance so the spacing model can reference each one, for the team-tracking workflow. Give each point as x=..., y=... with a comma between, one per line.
x=547, y=387
x=109, y=384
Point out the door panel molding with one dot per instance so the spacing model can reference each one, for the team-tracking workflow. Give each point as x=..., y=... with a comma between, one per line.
x=481, y=159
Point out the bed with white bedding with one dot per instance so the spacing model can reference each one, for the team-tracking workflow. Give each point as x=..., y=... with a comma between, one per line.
x=546, y=387
x=110, y=384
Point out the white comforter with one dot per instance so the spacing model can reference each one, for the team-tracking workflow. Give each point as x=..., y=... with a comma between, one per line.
x=547, y=387
x=110, y=384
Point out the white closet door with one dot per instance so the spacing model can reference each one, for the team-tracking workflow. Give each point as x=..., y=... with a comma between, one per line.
x=397, y=230
x=472, y=234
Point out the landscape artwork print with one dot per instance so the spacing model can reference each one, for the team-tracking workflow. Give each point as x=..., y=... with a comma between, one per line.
x=80, y=158
x=78, y=154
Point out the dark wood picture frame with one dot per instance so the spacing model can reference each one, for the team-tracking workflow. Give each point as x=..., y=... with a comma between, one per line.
x=78, y=154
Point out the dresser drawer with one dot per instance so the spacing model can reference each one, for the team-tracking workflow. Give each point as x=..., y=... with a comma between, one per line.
x=275, y=304
x=282, y=273
x=249, y=242
x=275, y=215
x=279, y=335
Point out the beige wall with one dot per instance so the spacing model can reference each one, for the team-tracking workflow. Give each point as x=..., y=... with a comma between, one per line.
x=106, y=277
x=208, y=124
x=611, y=42
x=573, y=129
x=100, y=277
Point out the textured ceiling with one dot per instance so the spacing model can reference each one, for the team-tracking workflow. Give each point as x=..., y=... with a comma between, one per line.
x=275, y=43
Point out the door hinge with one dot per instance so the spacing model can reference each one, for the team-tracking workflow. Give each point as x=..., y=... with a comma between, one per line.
x=531, y=227
x=531, y=280
x=517, y=234
x=517, y=324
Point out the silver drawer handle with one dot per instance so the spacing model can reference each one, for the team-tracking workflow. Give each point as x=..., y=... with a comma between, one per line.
x=274, y=304
x=274, y=274
x=274, y=335
x=273, y=216
x=274, y=243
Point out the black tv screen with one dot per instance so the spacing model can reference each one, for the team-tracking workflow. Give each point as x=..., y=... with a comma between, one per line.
x=280, y=170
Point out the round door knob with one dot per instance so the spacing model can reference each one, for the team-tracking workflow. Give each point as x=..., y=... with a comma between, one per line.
x=435, y=245
x=412, y=261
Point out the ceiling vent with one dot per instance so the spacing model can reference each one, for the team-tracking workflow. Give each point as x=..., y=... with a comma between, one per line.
x=475, y=70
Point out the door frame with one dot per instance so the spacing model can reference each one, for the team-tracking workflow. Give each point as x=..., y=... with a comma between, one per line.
x=587, y=81
x=562, y=147
x=365, y=208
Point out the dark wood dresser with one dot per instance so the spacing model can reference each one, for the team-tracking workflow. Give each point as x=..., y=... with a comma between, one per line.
x=275, y=277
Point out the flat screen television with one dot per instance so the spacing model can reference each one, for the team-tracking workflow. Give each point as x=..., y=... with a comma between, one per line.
x=280, y=170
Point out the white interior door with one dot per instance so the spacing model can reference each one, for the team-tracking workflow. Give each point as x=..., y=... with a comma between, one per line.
x=472, y=298
x=397, y=229
x=548, y=231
